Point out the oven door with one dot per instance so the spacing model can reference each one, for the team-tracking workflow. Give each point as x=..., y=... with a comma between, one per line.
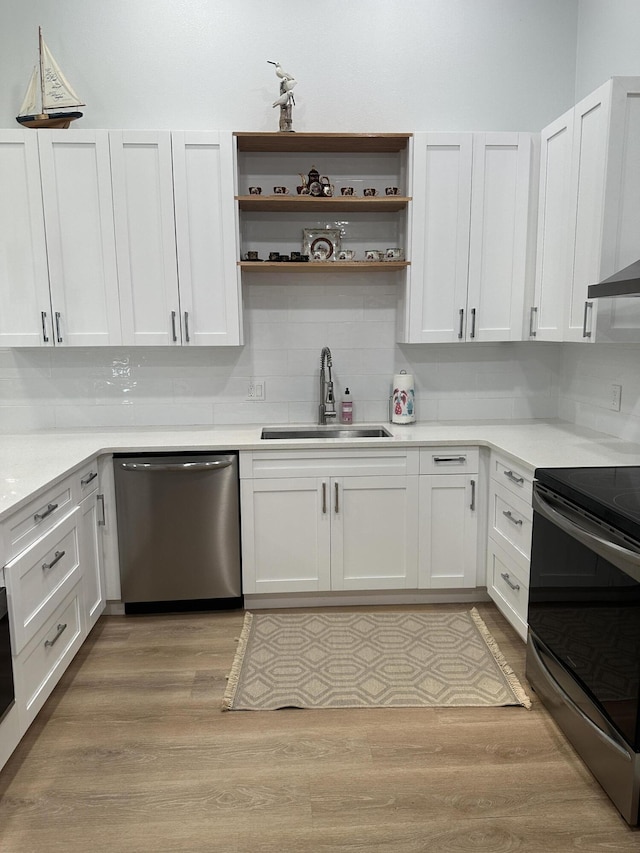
x=7, y=694
x=583, y=650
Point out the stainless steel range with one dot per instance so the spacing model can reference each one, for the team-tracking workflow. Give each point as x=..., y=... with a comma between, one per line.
x=583, y=651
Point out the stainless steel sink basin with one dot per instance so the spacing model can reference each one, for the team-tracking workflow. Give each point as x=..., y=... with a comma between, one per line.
x=289, y=433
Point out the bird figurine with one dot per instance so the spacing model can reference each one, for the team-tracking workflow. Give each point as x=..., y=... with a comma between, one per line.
x=283, y=75
x=286, y=99
x=282, y=101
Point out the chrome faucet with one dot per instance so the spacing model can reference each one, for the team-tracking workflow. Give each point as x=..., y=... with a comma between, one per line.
x=327, y=409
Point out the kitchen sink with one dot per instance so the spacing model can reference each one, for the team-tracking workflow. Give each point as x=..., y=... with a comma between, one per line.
x=289, y=433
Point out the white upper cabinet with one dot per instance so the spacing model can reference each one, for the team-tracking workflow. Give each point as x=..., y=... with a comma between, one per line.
x=142, y=178
x=470, y=231
x=78, y=212
x=206, y=234
x=176, y=237
x=553, y=258
x=589, y=217
x=25, y=305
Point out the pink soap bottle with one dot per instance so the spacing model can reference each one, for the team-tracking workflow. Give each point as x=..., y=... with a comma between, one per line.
x=346, y=410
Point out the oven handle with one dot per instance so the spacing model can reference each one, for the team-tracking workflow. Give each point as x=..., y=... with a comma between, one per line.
x=609, y=737
x=586, y=533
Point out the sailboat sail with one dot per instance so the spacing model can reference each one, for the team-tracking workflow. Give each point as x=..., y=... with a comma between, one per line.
x=57, y=92
x=30, y=103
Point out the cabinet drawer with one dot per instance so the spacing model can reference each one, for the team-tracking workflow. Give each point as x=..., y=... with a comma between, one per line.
x=86, y=479
x=41, y=577
x=507, y=584
x=29, y=523
x=48, y=654
x=517, y=478
x=511, y=520
x=323, y=463
x=449, y=460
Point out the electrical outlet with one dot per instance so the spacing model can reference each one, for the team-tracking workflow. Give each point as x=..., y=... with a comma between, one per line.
x=616, y=396
x=256, y=390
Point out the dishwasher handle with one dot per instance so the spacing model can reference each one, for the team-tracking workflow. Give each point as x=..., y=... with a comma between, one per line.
x=176, y=466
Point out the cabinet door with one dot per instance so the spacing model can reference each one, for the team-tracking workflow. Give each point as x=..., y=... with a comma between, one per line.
x=440, y=237
x=285, y=535
x=555, y=235
x=142, y=177
x=206, y=233
x=91, y=560
x=448, y=541
x=78, y=208
x=25, y=307
x=590, y=133
x=498, y=268
x=374, y=532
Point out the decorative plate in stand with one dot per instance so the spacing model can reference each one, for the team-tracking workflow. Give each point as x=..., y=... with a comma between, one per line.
x=321, y=244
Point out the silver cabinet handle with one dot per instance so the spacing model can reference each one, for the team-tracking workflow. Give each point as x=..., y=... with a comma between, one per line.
x=337, y=504
x=505, y=577
x=59, y=632
x=173, y=326
x=473, y=323
x=186, y=327
x=89, y=478
x=43, y=317
x=532, y=316
x=587, y=306
x=58, y=333
x=324, y=498
x=56, y=557
x=508, y=514
x=438, y=459
x=40, y=515
x=101, y=521
x=514, y=477
x=461, y=326
x=472, y=505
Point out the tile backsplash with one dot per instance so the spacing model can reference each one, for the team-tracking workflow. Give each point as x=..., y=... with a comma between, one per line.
x=286, y=326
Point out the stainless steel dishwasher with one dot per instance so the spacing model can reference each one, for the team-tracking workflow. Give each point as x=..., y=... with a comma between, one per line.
x=178, y=531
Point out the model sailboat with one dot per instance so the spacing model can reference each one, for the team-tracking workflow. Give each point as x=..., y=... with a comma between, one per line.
x=58, y=98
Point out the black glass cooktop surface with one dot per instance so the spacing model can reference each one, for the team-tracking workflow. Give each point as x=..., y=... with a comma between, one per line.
x=610, y=494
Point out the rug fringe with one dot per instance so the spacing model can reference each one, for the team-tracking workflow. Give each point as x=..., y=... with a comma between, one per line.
x=512, y=679
x=234, y=676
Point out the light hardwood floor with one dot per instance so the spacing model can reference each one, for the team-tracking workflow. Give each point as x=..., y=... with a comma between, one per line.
x=132, y=753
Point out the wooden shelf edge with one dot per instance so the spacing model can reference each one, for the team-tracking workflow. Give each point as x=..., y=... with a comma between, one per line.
x=307, y=204
x=322, y=266
x=338, y=142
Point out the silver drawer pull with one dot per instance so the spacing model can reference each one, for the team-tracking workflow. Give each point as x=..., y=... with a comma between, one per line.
x=472, y=505
x=514, y=477
x=438, y=459
x=508, y=514
x=62, y=627
x=56, y=558
x=337, y=505
x=40, y=515
x=89, y=478
x=324, y=498
x=43, y=317
x=505, y=577
x=102, y=522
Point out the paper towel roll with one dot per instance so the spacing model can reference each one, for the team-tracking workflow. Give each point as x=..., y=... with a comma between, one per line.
x=403, y=399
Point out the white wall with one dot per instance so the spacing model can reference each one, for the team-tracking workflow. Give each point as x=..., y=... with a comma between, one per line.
x=608, y=42
x=362, y=65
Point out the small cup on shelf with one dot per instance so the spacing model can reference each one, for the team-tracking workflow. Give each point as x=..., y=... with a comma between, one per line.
x=255, y=190
x=345, y=255
x=274, y=256
x=373, y=255
x=395, y=254
x=392, y=191
x=281, y=191
x=347, y=191
x=370, y=191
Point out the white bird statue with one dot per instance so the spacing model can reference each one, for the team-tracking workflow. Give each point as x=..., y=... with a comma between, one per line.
x=283, y=75
x=288, y=84
x=282, y=100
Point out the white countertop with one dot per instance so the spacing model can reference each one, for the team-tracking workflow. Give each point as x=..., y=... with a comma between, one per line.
x=31, y=461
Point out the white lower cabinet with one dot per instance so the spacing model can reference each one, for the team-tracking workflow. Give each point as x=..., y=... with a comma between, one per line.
x=509, y=541
x=54, y=590
x=448, y=540
x=344, y=521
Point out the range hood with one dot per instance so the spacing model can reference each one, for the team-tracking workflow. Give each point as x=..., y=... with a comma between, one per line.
x=623, y=283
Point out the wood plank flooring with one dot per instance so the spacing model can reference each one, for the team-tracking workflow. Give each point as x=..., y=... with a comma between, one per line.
x=132, y=753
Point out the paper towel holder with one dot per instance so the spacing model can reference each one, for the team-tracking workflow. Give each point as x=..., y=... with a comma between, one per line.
x=402, y=399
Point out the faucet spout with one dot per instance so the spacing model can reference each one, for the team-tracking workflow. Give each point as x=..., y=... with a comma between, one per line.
x=327, y=408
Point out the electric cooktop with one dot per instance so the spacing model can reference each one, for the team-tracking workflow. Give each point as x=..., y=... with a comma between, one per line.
x=610, y=494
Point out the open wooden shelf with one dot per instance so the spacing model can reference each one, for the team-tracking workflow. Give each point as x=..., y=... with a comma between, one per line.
x=322, y=266
x=358, y=143
x=314, y=204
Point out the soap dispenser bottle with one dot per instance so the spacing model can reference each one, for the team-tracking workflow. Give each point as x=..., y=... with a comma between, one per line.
x=346, y=411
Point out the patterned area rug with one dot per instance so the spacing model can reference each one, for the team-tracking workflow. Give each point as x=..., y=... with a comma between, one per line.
x=369, y=659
